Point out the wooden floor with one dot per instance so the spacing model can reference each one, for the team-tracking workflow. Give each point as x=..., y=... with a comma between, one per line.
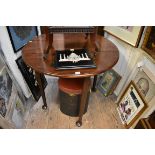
x=101, y=112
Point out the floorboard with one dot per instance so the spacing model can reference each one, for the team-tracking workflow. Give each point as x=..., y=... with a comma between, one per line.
x=101, y=113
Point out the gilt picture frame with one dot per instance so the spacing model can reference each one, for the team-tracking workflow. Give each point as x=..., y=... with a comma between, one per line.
x=148, y=44
x=21, y=35
x=108, y=82
x=131, y=105
x=129, y=34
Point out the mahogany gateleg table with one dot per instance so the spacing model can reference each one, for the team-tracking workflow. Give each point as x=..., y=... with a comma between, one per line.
x=105, y=56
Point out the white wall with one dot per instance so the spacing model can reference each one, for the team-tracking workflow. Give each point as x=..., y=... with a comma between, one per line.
x=10, y=56
x=128, y=57
x=129, y=62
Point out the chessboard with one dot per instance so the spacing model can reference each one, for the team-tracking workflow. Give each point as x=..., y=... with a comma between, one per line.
x=73, y=59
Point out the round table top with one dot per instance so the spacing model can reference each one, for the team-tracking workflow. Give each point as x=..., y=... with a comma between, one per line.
x=106, y=57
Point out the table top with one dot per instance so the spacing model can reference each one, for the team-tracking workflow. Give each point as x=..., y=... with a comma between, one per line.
x=106, y=57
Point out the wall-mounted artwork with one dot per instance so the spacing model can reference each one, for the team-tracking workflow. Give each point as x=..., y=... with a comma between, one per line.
x=131, y=105
x=108, y=82
x=5, y=91
x=21, y=35
x=145, y=85
x=128, y=34
x=29, y=76
x=148, y=44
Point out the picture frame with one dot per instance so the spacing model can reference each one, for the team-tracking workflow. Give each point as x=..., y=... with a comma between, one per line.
x=9, y=95
x=131, y=105
x=21, y=35
x=148, y=44
x=18, y=113
x=129, y=34
x=108, y=82
x=29, y=76
x=145, y=85
x=6, y=90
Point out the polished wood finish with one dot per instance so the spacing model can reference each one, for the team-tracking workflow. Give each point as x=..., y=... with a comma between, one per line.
x=71, y=86
x=49, y=41
x=50, y=30
x=106, y=58
x=85, y=90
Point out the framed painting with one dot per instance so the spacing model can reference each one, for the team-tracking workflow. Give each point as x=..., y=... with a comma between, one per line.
x=29, y=76
x=108, y=82
x=148, y=44
x=128, y=34
x=131, y=105
x=21, y=35
x=6, y=85
x=145, y=85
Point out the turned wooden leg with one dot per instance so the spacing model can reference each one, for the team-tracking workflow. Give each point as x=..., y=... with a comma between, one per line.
x=40, y=83
x=49, y=45
x=87, y=34
x=45, y=55
x=94, y=84
x=85, y=90
x=94, y=42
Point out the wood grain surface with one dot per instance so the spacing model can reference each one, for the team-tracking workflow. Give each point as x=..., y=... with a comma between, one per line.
x=106, y=57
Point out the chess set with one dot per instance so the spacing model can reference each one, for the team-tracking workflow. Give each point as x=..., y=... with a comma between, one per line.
x=73, y=59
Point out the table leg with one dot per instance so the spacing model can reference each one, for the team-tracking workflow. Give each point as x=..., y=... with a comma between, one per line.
x=94, y=84
x=85, y=90
x=87, y=34
x=49, y=45
x=40, y=83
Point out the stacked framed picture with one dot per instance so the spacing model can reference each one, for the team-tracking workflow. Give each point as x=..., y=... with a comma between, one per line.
x=6, y=89
x=11, y=106
x=12, y=101
x=148, y=44
x=145, y=85
x=131, y=105
x=129, y=34
x=21, y=35
x=29, y=76
x=107, y=82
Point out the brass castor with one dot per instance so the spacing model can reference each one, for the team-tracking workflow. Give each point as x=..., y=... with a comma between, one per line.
x=79, y=123
x=44, y=107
